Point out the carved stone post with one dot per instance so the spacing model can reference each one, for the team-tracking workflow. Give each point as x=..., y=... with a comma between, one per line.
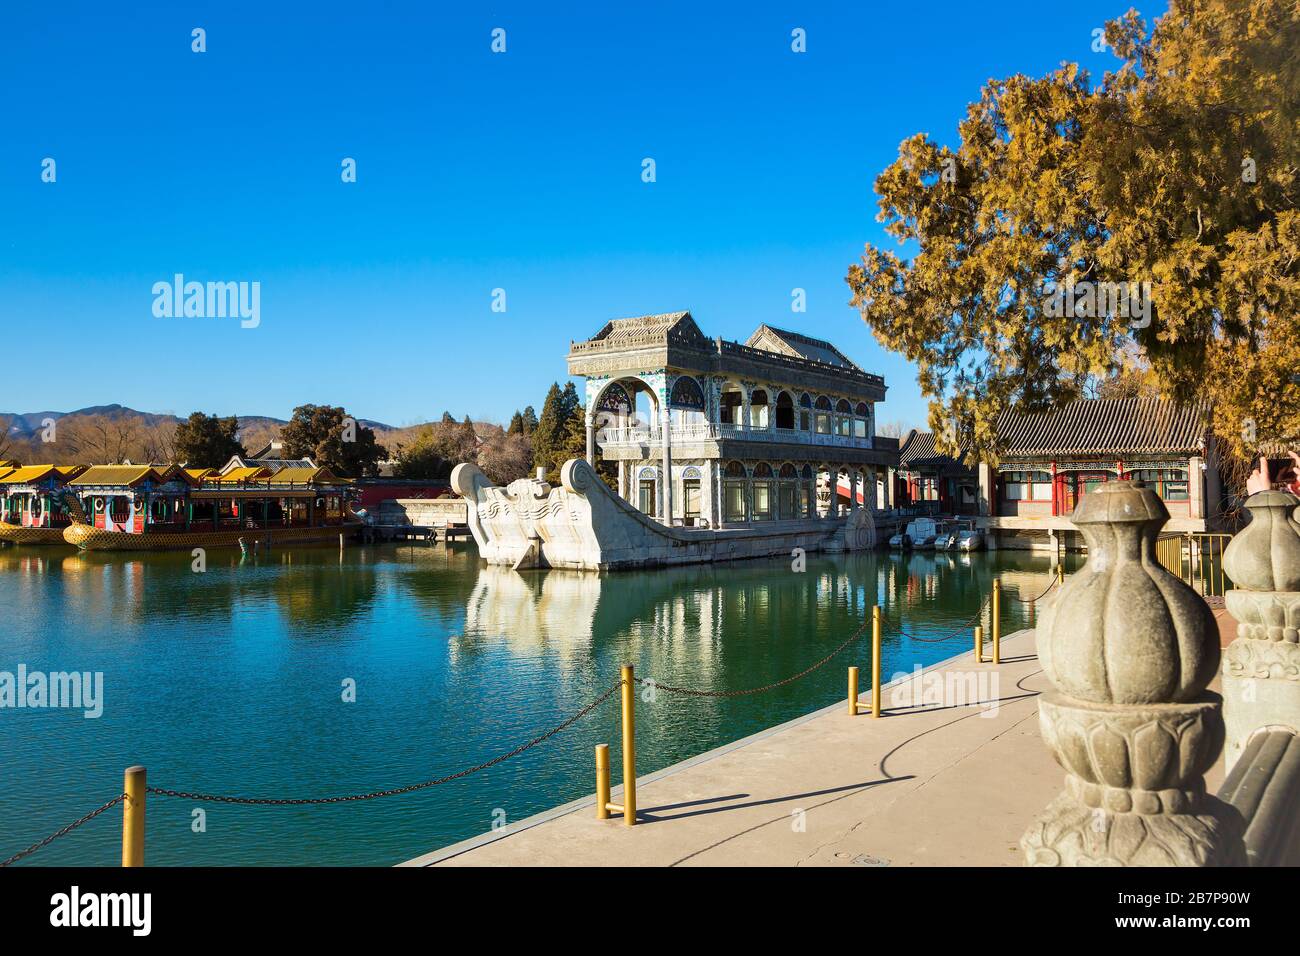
x=1130, y=649
x=1261, y=668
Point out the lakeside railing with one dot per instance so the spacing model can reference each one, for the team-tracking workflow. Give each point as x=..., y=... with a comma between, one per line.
x=136, y=789
x=1196, y=558
x=710, y=431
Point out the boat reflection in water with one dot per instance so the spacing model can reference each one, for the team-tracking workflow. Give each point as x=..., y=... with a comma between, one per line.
x=229, y=679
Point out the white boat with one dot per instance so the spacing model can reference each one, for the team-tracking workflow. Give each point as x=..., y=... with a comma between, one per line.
x=946, y=539
x=922, y=532
x=971, y=539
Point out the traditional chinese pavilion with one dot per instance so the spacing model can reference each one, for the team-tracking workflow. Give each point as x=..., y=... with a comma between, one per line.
x=32, y=509
x=1049, y=460
x=710, y=433
x=722, y=451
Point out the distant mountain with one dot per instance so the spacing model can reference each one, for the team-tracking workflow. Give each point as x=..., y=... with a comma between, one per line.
x=24, y=425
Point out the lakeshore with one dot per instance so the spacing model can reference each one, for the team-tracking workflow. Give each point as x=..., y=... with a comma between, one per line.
x=229, y=681
x=922, y=786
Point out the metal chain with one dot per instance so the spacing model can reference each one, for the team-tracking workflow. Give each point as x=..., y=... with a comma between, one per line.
x=542, y=738
x=64, y=832
x=304, y=801
x=1034, y=600
x=960, y=632
x=650, y=682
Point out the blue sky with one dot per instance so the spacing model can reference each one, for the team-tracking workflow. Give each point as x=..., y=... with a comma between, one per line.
x=475, y=171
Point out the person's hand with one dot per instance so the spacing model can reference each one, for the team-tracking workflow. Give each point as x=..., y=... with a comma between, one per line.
x=1293, y=485
x=1259, y=479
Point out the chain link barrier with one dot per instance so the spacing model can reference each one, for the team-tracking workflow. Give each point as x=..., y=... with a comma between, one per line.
x=690, y=692
x=376, y=794
x=522, y=748
x=962, y=631
x=1035, y=600
x=64, y=832
x=305, y=801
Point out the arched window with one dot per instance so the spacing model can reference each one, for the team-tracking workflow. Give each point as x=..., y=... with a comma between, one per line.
x=784, y=410
x=787, y=497
x=648, y=491
x=823, y=417
x=843, y=418
x=764, y=492
x=690, y=496
x=729, y=411
x=615, y=400
x=734, y=498
x=862, y=423
x=807, y=492
x=805, y=413
x=687, y=394
x=758, y=411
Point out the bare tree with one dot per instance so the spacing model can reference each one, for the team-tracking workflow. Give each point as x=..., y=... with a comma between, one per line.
x=894, y=429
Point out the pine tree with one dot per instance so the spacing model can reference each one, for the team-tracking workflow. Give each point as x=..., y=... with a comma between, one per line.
x=516, y=424
x=548, y=437
x=530, y=421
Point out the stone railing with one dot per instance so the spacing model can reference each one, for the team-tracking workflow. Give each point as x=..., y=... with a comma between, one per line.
x=708, y=431
x=1261, y=679
x=1261, y=668
x=1131, y=650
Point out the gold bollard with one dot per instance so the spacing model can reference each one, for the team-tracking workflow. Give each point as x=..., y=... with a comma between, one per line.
x=875, y=660
x=997, y=611
x=602, y=781
x=997, y=642
x=853, y=692
x=1060, y=572
x=979, y=643
x=133, y=817
x=629, y=747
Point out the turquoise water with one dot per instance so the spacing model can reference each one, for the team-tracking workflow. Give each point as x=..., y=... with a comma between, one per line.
x=231, y=681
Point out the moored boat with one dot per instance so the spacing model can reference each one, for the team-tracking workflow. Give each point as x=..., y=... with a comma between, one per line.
x=142, y=508
x=32, y=508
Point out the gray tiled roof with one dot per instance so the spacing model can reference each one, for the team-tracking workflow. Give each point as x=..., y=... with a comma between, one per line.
x=918, y=449
x=1120, y=426
x=645, y=329
x=795, y=343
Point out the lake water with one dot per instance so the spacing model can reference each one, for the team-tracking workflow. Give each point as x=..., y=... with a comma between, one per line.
x=232, y=681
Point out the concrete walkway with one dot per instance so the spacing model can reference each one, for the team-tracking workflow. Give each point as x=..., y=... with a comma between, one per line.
x=950, y=784
x=943, y=785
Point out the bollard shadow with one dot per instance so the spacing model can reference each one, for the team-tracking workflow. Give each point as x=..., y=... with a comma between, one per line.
x=695, y=803
x=937, y=708
x=648, y=814
x=1017, y=660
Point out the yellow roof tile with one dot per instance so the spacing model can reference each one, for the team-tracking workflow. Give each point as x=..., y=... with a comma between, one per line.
x=22, y=476
x=115, y=475
x=252, y=473
x=307, y=476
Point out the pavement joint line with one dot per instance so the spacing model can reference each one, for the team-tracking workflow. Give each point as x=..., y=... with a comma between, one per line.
x=587, y=802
